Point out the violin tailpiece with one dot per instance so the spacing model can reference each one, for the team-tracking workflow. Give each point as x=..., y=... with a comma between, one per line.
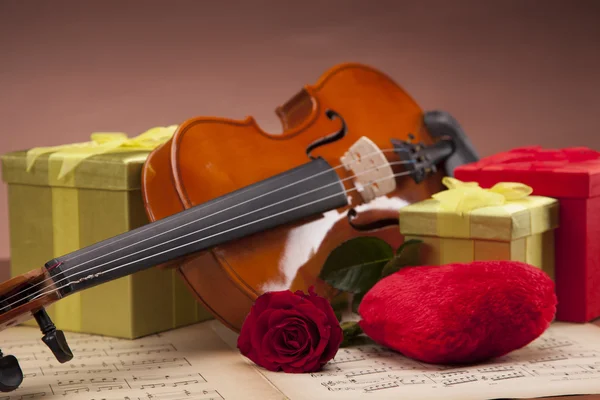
x=373, y=173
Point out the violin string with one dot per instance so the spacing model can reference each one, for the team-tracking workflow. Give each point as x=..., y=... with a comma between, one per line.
x=41, y=292
x=195, y=210
x=243, y=190
x=194, y=221
x=203, y=229
x=219, y=223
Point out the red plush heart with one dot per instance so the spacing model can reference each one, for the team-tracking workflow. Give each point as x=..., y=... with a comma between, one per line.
x=459, y=313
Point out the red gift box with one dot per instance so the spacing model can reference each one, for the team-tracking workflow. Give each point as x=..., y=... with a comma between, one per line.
x=572, y=176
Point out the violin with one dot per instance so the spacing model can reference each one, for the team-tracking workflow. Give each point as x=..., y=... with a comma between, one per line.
x=240, y=212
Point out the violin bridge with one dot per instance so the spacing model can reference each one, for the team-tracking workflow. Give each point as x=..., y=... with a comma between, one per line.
x=372, y=171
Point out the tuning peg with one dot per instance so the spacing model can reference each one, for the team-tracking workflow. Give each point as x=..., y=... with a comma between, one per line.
x=11, y=375
x=421, y=161
x=53, y=338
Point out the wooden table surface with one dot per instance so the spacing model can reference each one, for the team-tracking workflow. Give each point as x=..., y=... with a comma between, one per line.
x=4, y=266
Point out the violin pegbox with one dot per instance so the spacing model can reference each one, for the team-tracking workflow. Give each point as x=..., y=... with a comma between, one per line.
x=373, y=174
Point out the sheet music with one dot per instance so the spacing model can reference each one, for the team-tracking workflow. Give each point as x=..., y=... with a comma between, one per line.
x=565, y=360
x=195, y=363
x=190, y=363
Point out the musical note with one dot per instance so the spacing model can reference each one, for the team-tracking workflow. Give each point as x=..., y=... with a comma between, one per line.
x=553, y=343
x=556, y=357
x=346, y=359
x=328, y=371
x=584, y=354
x=511, y=375
x=153, y=364
x=365, y=372
x=186, y=395
x=500, y=368
x=381, y=386
x=136, y=378
x=457, y=381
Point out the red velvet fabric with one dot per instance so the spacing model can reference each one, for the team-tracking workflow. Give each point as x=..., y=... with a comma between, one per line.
x=459, y=313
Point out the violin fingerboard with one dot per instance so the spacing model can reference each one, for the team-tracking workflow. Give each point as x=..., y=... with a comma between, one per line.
x=308, y=190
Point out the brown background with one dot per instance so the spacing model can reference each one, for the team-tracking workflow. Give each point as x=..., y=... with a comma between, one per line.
x=513, y=72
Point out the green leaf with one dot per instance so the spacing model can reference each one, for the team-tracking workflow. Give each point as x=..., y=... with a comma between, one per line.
x=408, y=254
x=356, y=265
x=356, y=299
x=352, y=331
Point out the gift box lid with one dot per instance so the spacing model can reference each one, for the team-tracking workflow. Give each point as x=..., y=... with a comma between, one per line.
x=109, y=161
x=512, y=220
x=572, y=172
x=111, y=171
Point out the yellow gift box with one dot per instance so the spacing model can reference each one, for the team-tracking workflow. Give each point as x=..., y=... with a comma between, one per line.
x=467, y=223
x=67, y=197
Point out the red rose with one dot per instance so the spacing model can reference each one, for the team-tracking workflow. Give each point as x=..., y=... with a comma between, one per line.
x=293, y=332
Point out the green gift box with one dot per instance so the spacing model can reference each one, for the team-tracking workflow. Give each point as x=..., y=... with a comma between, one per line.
x=58, y=205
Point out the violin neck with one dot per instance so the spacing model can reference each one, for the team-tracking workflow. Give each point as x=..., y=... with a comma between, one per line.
x=308, y=190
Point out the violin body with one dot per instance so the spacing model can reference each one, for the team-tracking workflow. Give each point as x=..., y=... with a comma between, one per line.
x=211, y=157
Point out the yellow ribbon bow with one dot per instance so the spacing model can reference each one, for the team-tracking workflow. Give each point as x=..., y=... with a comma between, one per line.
x=466, y=196
x=101, y=143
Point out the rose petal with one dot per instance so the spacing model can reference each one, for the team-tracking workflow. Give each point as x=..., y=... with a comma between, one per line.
x=309, y=312
x=270, y=353
x=286, y=339
x=284, y=299
x=284, y=345
x=291, y=337
x=319, y=335
x=295, y=337
x=336, y=337
x=244, y=342
x=278, y=317
x=267, y=358
x=323, y=305
x=279, y=344
x=260, y=328
x=336, y=334
x=310, y=353
x=290, y=355
x=245, y=338
x=310, y=365
x=318, y=331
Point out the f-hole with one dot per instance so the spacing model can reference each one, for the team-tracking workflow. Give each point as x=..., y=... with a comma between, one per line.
x=329, y=138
